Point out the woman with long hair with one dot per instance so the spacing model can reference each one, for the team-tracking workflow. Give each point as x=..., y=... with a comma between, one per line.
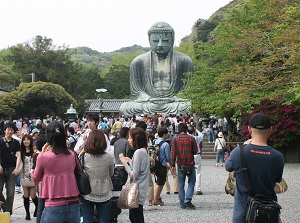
x=139, y=166
x=55, y=168
x=29, y=187
x=99, y=165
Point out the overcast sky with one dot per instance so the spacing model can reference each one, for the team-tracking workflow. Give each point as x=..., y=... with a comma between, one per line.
x=103, y=25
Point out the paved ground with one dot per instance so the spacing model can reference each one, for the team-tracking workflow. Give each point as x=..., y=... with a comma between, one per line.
x=214, y=206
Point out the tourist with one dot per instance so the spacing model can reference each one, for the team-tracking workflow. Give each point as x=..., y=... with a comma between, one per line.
x=183, y=149
x=55, y=168
x=29, y=187
x=219, y=145
x=122, y=146
x=10, y=165
x=139, y=166
x=99, y=165
x=164, y=158
x=265, y=166
x=197, y=158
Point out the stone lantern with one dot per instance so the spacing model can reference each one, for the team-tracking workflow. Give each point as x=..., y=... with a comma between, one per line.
x=71, y=114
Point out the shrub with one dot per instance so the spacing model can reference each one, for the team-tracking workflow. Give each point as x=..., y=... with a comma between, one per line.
x=285, y=120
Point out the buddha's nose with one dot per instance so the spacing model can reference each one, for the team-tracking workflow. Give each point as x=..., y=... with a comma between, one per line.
x=160, y=44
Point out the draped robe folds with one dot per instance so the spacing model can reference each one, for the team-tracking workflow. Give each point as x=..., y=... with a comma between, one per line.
x=154, y=84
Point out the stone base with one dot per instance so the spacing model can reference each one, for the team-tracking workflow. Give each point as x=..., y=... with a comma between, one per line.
x=291, y=154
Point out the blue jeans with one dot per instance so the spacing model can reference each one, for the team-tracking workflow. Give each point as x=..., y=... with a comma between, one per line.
x=188, y=195
x=9, y=180
x=209, y=137
x=103, y=210
x=220, y=156
x=69, y=213
x=18, y=181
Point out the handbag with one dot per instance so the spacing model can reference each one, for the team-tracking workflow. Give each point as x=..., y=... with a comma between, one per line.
x=283, y=184
x=187, y=170
x=116, y=180
x=4, y=217
x=230, y=184
x=82, y=178
x=129, y=196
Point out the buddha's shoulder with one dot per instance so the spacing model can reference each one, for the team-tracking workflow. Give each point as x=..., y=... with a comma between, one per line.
x=143, y=57
x=181, y=56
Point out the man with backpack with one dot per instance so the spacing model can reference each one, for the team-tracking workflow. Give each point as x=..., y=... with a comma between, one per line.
x=264, y=167
x=164, y=158
x=72, y=139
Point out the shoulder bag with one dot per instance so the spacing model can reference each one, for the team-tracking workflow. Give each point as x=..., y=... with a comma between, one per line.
x=129, y=196
x=223, y=147
x=82, y=178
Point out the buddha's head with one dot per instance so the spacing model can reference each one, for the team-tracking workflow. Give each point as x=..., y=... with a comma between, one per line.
x=161, y=38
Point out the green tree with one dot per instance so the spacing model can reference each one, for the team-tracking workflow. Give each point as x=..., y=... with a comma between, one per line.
x=48, y=62
x=8, y=79
x=251, y=56
x=90, y=81
x=36, y=99
x=121, y=59
x=8, y=104
x=117, y=81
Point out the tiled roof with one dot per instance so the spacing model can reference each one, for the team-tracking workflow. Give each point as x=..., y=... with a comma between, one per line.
x=109, y=105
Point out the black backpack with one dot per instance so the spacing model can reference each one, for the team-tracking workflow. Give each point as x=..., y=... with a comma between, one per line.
x=73, y=144
x=154, y=152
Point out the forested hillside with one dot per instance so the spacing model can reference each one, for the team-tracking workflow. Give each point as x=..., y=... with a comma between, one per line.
x=88, y=56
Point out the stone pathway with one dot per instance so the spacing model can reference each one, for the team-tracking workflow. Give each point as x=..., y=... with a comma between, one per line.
x=214, y=206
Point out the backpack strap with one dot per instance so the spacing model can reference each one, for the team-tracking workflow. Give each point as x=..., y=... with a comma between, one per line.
x=73, y=138
x=160, y=143
x=245, y=169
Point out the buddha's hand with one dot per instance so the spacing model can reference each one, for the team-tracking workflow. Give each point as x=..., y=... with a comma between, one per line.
x=176, y=99
x=161, y=100
x=143, y=97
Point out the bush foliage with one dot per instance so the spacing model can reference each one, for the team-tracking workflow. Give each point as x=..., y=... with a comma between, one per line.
x=285, y=120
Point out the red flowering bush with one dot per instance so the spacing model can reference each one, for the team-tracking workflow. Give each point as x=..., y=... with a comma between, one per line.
x=285, y=120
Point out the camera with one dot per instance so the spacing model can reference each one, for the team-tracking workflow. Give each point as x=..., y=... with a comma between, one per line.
x=151, y=149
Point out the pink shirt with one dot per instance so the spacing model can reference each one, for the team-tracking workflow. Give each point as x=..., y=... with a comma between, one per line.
x=56, y=172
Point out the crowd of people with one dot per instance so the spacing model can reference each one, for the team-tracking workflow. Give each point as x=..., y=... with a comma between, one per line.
x=45, y=155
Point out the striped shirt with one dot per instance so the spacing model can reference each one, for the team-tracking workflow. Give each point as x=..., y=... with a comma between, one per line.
x=183, y=149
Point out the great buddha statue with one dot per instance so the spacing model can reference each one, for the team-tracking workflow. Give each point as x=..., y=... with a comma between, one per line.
x=157, y=76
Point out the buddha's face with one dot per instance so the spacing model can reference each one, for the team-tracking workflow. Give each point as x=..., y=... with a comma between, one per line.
x=161, y=42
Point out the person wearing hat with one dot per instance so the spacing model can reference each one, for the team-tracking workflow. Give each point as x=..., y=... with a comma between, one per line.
x=265, y=165
x=35, y=134
x=220, y=143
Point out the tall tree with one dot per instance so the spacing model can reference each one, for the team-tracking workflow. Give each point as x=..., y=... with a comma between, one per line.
x=252, y=56
x=48, y=62
x=8, y=78
x=117, y=81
